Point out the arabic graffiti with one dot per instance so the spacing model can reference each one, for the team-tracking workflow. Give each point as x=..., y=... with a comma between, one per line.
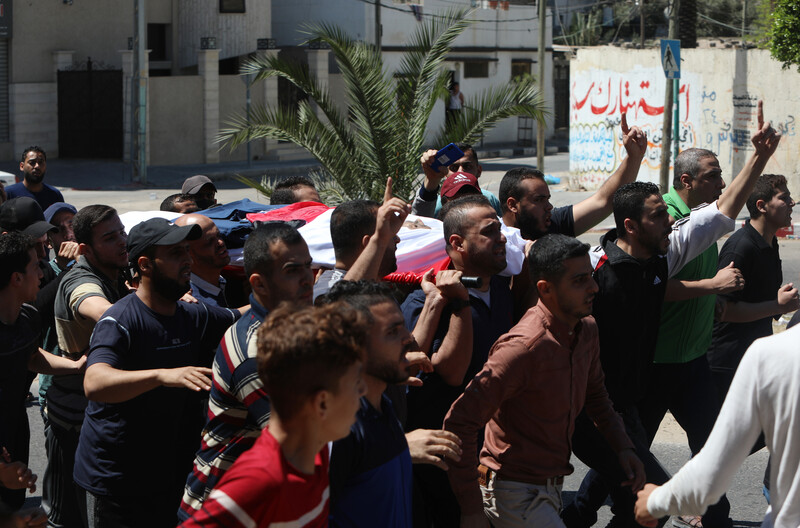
x=598, y=98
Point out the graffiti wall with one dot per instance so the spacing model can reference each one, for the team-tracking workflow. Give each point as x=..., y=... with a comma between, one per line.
x=719, y=91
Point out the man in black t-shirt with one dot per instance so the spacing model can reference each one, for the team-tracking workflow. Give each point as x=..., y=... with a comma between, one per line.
x=133, y=454
x=525, y=196
x=753, y=249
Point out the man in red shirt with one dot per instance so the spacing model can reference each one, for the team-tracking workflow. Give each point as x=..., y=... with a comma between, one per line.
x=311, y=366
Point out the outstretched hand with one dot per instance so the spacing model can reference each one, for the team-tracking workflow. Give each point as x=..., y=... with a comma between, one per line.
x=766, y=138
x=633, y=139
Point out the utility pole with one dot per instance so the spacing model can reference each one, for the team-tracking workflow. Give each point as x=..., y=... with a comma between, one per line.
x=666, y=127
x=378, y=25
x=641, y=22
x=140, y=94
x=540, y=127
x=744, y=18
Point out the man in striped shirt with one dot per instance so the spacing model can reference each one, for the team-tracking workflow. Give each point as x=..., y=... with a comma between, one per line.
x=278, y=266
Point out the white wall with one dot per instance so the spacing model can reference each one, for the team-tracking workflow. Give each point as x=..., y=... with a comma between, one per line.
x=719, y=92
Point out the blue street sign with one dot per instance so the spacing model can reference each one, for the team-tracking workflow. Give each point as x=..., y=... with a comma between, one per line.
x=671, y=58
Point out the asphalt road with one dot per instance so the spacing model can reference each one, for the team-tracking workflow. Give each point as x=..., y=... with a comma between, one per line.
x=670, y=447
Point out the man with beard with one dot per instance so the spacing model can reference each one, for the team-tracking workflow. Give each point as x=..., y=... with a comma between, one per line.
x=462, y=329
x=34, y=166
x=364, y=236
x=132, y=460
x=92, y=285
x=525, y=196
x=632, y=266
x=370, y=474
x=538, y=377
x=278, y=266
x=209, y=256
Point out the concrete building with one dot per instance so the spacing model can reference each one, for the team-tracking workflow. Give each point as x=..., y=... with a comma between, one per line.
x=499, y=45
x=67, y=76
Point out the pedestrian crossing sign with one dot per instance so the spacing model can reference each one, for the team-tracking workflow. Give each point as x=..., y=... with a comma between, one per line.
x=671, y=58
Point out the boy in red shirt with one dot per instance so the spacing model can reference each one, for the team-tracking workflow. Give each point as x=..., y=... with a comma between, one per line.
x=310, y=362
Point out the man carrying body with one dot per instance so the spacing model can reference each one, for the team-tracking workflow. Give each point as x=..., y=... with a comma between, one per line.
x=34, y=166
x=462, y=327
x=536, y=380
x=632, y=267
x=278, y=266
x=202, y=189
x=142, y=358
x=84, y=294
x=294, y=189
x=209, y=257
x=364, y=236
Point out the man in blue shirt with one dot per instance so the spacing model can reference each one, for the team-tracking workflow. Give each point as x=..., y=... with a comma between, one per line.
x=34, y=166
x=137, y=440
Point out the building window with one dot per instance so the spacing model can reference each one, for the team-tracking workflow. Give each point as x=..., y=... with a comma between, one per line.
x=476, y=69
x=520, y=68
x=231, y=6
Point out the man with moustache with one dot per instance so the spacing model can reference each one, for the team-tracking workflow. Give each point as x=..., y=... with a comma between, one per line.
x=87, y=290
x=525, y=196
x=130, y=464
x=209, y=257
x=536, y=380
x=278, y=266
x=461, y=329
x=632, y=266
x=34, y=166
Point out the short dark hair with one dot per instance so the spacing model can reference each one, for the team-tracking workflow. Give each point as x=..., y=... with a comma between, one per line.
x=546, y=257
x=33, y=148
x=258, y=255
x=87, y=219
x=688, y=162
x=454, y=214
x=283, y=192
x=14, y=255
x=464, y=147
x=350, y=222
x=303, y=352
x=629, y=201
x=767, y=186
x=510, y=185
x=169, y=202
x=360, y=294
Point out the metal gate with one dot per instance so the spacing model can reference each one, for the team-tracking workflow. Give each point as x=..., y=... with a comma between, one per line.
x=90, y=112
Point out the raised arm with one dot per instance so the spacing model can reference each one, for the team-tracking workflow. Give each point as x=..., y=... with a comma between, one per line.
x=391, y=216
x=765, y=141
x=728, y=279
x=591, y=211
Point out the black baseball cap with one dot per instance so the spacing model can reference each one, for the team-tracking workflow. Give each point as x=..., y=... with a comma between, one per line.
x=158, y=232
x=24, y=215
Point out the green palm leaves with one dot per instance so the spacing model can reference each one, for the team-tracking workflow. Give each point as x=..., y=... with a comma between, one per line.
x=382, y=133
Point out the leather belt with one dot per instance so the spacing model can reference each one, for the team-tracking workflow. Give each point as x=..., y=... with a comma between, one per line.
x=485, y=474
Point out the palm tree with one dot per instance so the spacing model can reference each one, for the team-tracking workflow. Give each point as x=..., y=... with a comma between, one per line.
x=383, y=132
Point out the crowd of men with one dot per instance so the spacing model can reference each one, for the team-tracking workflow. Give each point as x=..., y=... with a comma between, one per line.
x=335, y=398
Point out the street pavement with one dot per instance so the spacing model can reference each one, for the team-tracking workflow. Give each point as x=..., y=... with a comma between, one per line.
x=91, y=182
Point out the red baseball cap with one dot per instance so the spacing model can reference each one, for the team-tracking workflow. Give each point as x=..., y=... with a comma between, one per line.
x=457, y=181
